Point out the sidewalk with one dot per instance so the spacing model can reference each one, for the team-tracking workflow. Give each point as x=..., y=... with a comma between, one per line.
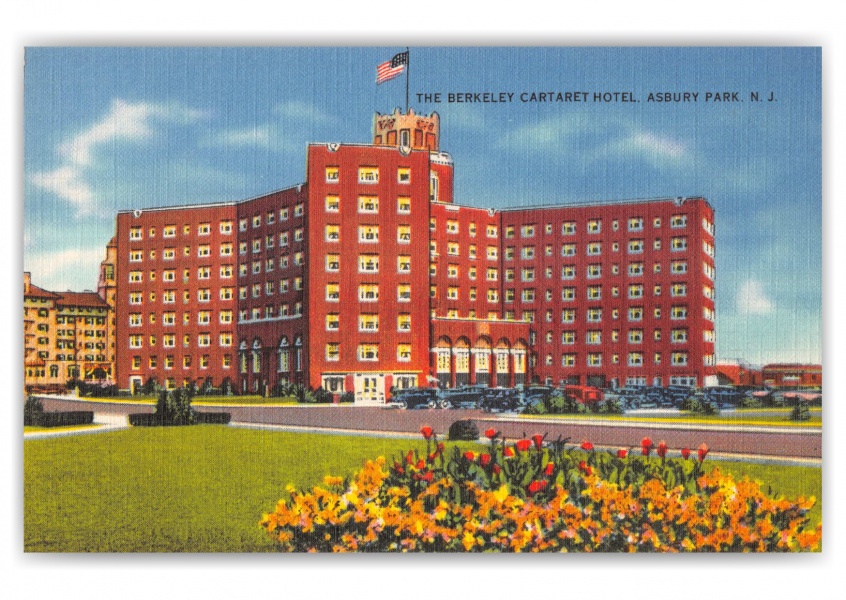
x=102, y=422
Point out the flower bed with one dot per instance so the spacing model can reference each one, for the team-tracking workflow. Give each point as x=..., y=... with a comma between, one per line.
x=534, y=495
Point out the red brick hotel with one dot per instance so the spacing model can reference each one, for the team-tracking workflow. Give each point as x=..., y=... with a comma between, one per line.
x=368, y=276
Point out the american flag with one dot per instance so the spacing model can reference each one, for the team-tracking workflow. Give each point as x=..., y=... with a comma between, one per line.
x=391, y=68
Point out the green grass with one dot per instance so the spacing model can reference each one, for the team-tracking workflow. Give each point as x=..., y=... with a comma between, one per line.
x=204, y=488
x=204, y=400
x=34, y=429
x=757, y=417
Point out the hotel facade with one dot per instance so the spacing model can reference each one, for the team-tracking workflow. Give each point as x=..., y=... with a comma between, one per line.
x=369, y=276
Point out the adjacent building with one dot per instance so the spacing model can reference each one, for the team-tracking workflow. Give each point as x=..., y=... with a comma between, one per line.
x=368, y=276
x=67, y=336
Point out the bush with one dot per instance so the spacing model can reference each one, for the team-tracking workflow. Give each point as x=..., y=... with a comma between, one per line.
x=212, y=418
x=144, y=420
x=321, y=396
x=63, y=418
x=556, y=404
x=347, y=397
x=610, y=406
x=464, y=429
x=174, y=407
x=532, y=496
x=33, y=408
x=749, y=402
x=800, y=412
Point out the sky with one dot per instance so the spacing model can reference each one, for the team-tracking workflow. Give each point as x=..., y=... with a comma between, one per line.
x=108, y=129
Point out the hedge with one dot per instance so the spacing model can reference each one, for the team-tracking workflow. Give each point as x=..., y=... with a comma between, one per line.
x=62, y=419
x=212, y=418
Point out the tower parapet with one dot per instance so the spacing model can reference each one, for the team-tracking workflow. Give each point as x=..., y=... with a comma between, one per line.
x=416, y=132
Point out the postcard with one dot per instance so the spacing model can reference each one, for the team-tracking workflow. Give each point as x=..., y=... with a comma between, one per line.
x=422, y=299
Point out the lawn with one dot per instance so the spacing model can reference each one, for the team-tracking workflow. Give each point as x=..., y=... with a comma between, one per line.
x=204, y=488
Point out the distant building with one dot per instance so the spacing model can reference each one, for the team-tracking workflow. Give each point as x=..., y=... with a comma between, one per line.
x=789, y=375
x=67, y=335
x=738, y=372
x=368, y=276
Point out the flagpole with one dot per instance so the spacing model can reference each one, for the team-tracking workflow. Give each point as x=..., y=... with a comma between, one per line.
x=407, y=73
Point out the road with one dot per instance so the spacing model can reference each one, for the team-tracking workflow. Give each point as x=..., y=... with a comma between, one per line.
x=742, y=441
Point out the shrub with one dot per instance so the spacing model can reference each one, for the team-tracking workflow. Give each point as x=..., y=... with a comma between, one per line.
x=464, y=429
x=174, y=407
x=556, y=404
x=212, y=418
x=33, y=408
x=321, y=396
x=63, y=418
x=800, y=412
x=533, y=496
x=611, y=406
x=144, y=420
x=347, y=397
x=749, y=402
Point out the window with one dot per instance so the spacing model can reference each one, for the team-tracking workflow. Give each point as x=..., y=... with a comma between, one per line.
x=709, y=270
x=678, y=244
x=169, y=231
x=528, y=252
x=169, y=297
x=333, y=204
x=256, y=246
x=656, y=245
x=568, y=315
x=368, y=174
x=635, y=269
x=204, y=340
x=594, y=226
x=203, y=317
x=594, y=315
x=136, y=276
x=594, y=337
x=368, y=292
x=568, y=360
x=635, y=336
x=527, y=231
x=136, y=233
x=568, y=272
x=568, y=228
x=528, y=295
x=594, y=292
x=404, y=352
x=203, y=295
x=594, y=249
x=226, y=227
x=404, y=322
x=492, y=274
x=678, y=290
x=452, y=271
x=452, y=226
x=636, y=313
x=136, y=256
x=678, y=267
x=134, y=321
x=204, y=229
x=136, y=341
x=679, y=359
x=332, y=174
x=225, y=316
x=403, y=175
x=493, y=295
x=453, y=249
x=368, y=352
x=594, y=360
x=568, y=294
x=168, y=340
x=225, y=339
x=333, y=293
x=368, y=263
x=635, y=291
x=204, y=273
x=509, y=253
x=404, y=263
x=492, y=231
x=333, y=233
x=678, y=313
x=368, y=204
x=491, y=252
x=678, y=221
x=635, y=246
x=636, y=224
x=333, y=353
x=678, y=336
x=635, y=359
x=594, y=271
x=433, y=187
x=332, y=322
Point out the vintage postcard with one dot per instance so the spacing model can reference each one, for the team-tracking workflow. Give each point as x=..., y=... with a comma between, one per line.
x=422, y=299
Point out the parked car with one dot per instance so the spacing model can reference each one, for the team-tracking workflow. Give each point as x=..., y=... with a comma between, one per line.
x=467, y=397
x=723, y=396
x=584, y=394
x=501, y=400
x=415, y=398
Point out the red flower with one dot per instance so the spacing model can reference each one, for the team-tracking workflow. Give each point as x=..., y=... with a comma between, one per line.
x=428, y=476
x=536, y=486
x=496, y=469
x=703, y=452
x=622, y=452
x=661, y=450
x=523, y=445
x=538, y=440
x=685, y=453
x=432, y=457
x=470, y=455
x=508, y=452
x=490, y=433
x=646, y=446
x=420, y=464
x=400, y=470
x=550, y=467
x=426, y=431
x=441, y=447
x=583, y=466
x=587, y=446
x=409, y=458
x=485, y=459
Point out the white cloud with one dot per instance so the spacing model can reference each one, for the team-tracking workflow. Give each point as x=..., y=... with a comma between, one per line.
x=124, y=122
x=751, y=299
x=301, y=111
x=254, y=136
x=61, y=270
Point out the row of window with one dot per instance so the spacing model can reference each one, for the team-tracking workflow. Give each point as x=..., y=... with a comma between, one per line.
x=367, y=292
x=204, y=317
x=367, y=174
x=284, y=286
x=367, y=352
x=677, y=244
x=169, y=296
x=203, y=361
x=136, y=233
x=270, y=241
x=634, y=359
x=635, y=336
x=269, y=311
x=594, y=292
x=225, y=272
x=368, y=205
x=368, y=234
x=204, y=340
x=594, y=315
x=368, y=323
x=568, y=272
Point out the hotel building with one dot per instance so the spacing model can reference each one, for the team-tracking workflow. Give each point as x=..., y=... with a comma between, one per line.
x=369, y=276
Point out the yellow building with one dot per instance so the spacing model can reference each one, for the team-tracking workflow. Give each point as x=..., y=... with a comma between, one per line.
x=67, y=335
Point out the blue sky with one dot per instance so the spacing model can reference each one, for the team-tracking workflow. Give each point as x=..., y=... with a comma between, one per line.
x=119, y=128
